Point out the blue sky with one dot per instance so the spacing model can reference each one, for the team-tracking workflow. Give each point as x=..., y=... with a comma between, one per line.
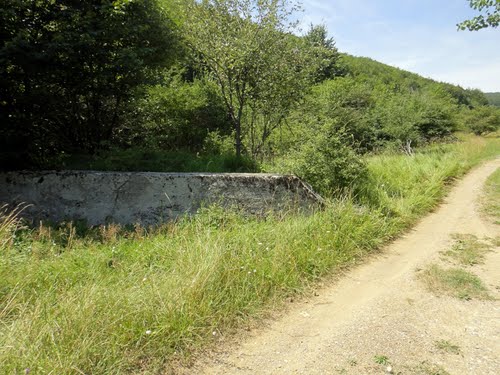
x=417, y=35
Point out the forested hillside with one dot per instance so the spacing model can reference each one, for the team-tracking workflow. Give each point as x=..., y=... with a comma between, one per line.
x=207, y=86
x=493, y=98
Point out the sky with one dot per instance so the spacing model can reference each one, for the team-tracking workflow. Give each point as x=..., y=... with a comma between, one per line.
x=416, y=35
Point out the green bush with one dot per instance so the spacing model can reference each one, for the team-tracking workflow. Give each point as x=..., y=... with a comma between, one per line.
x=327, y=162
x=177, y=115
x=483, y=120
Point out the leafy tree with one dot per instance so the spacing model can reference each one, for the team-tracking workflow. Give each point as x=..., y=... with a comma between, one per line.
x=246, y=48
x=489, y=18
x=68, y=70
x=178, y=115
x=483, y=120
x=325, y=52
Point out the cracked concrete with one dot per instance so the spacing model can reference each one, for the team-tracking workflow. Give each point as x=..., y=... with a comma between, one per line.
x=147, y=198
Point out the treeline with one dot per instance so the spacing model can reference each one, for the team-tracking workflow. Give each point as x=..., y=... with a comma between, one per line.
x=493, y=98
x=213, y=85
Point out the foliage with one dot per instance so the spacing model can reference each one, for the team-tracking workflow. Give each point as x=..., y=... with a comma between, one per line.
x=489, y=18
x=482, y=120
x=326, y=161
x=176, y=115
x=493, y=98
x=325, y=53
x=158, y=160
x=260, y=69
x=68, y=70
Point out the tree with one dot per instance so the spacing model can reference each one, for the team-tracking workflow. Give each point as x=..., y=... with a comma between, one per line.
x=489, y=18
x=246, y=47
x=483, y=120
x=325, y=52
x=68, y=70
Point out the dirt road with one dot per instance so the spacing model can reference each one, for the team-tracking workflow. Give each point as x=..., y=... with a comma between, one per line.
x=380, y=319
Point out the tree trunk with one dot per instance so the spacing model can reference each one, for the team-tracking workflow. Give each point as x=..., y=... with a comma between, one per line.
x=238, y=138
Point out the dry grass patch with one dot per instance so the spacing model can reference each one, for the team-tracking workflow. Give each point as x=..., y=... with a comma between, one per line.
x=491, y=198
x=454, y=282
x=446, y=346
x=468, y=250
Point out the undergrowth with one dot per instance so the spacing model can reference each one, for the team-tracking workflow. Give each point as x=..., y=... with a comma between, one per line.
x=106, y=300
x=156, y=160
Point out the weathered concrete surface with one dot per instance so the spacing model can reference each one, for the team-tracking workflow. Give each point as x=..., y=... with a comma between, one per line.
x=144, y=197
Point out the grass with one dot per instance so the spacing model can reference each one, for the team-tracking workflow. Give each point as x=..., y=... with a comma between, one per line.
x=454, y=282
x=381, y=360
x=468, y=250
x=491, y=199
x=448, y=347
x=410, y=186
x=106, y=300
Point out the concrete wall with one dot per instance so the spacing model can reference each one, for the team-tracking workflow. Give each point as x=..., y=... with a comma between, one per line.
x=144, y=197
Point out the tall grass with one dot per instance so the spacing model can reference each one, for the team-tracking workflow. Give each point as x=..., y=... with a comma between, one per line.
x=106, y=301
x=409, y=186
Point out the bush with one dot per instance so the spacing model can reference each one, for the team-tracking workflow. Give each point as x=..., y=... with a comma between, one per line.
x=483, y=120
x=178, y=115
x=328, y=163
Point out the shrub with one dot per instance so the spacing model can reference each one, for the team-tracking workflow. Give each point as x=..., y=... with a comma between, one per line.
x=483, y=120
x=178, y=115
x=328, y=163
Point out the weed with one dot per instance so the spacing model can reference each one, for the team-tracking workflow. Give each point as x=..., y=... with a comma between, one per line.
x=454, y=282
x=9, y=225
x=447, y=346
x=468, y=250
x=381, y=359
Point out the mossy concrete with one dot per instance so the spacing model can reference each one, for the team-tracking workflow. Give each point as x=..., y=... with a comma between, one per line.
x=147, y=198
